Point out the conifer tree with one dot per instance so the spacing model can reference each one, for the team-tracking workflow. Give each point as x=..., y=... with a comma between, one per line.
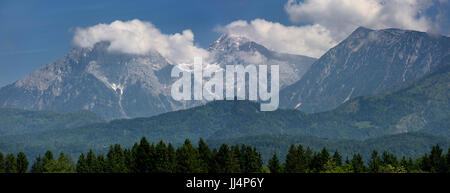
x=375, y=162
x=2, y=163
x=337, y=159
x=206, y=155
x=448, y=160
x=274, y=164
x=437, y=162
x=81, y=166
x=101, y=162
x=308, y=157
x=188, y=159
x=292, y=160
x=235, y=159
x=320, y=160
x=172, y=158
x=222, y=159
x=316, y=163
x=425, y=163
x=143, y=157
x=252, y=160
x=63, y=164
x=22, y=163
x=243, y=157
x=47, y=160
x=162, y=164
x=302, y=165
x=130, y=158
x=38, y=165
x=357, y=163
x=115, y=160
x=10, y=164
x=91, y=162
x=389, y=159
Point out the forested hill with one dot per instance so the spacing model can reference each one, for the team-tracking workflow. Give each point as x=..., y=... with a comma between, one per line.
x=15, y=121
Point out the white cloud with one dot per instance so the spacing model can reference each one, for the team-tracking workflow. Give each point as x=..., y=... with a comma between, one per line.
x=309, y=40
x=139, y=37
x=341, y=17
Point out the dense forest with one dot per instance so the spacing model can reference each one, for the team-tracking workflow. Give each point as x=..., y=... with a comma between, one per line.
x=144, y=157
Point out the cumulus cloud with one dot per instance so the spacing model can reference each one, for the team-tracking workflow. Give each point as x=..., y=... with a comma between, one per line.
x=341, y=17
x=139, y=37
x=309, y=40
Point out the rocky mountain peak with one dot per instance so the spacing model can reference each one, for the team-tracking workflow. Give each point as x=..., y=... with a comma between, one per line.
x=367, y=62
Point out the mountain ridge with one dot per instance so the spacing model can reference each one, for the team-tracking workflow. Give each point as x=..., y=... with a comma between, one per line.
x=115, y=85
x=367, y=62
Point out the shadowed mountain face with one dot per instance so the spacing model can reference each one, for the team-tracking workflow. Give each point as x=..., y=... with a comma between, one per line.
x=368, y=62
x=115, y=85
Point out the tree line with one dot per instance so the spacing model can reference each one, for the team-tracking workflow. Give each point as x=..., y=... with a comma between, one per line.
x=144, y=157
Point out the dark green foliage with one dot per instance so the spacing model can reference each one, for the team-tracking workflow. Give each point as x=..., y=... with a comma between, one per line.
x=295, y=160
x=81, y=166
x=10, y=164
x=48, y=164
x=63, y=164
x=22, y=163
x=436, y=160
x=408, y=144
x=38, y=165
x=91, y=162
x=101, y=163
x=375, y=162
x=274, y=164
x=144, y=157
x=2, y=163
x=115, y=161
x=251, y=160
x=320, y=160
x=235, y=159
x=337, y=159
x=163, y=160
x=188, y=159
x=206, y=156
x=15, y=121
x=447, y=159
x=172, y=158
x=222, y=159
x=358, y=164
x=244, y=159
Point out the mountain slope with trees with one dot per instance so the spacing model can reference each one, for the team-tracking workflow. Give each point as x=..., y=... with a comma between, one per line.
x=423, y=106
x=15, y=121
x=368, y=62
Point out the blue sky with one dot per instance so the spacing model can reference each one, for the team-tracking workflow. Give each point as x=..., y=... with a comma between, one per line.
x=36, y=32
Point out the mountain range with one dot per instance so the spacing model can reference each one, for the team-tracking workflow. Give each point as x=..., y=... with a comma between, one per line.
x=422, y=107
x=383, y=89
x=368, y=62
x=116, y=85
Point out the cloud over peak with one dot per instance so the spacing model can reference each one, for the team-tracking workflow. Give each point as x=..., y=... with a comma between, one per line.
x=341, y=17
x=309, y=40
x=139, y=37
